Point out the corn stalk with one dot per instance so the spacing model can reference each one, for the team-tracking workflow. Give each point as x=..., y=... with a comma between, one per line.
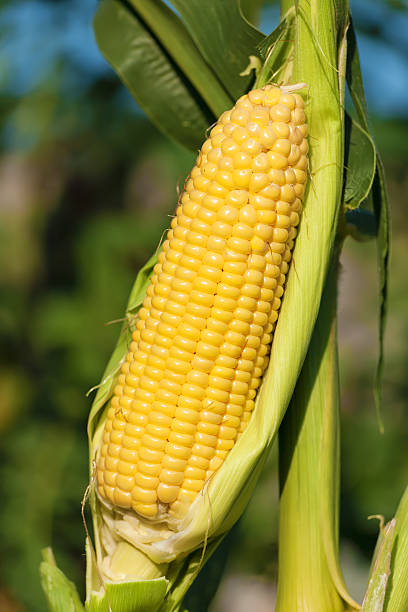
x=200, y=69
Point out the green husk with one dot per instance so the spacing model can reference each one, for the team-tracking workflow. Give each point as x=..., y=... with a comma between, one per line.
x=380, y=570
x=396, y=597
x=61, y=593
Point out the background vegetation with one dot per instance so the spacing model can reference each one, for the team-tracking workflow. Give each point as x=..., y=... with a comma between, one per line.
x=86, y=187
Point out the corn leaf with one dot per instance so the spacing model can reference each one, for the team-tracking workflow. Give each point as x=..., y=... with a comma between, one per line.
x=150, y=74
x=60, y=592
x=382, y=213
x=251, y=10
x=360, y=163
x=362, y=224
x=380, y=572
x=380, y=207
x=172, y=34
x=275, y=50
x=224, y=37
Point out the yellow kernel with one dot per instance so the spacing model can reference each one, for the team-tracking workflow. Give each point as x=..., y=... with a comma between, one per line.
x=237, y=198
x=228, y=147
x=258, y=181
x=277, y=176
x=261, y=163
x=239, y=135
x=299, y=190
x=225, y=179
x=299, y=100
x=241, y=178
x=303, y=129
x=252, y=146
x=226, y=443
x=298, y=116
x=244, y=102
x=231, y=350
x=267, y=216
x=220, y=312
x=212, y=203
x=288, y=100
x=202, y=451
x=222, y=229
x=259, y=115
x=218, y=138
x=242, y=230
x=171, y=477
x=263, y=231
x=290, y=176
x=226, y=362
x=240, y=245
x=234, y=409
x=272, y=95
x=267, y=137
x=235, y=267
x=242, y=160
x=213, y=156
x=281, y=130
x=213, y=259
x=201, y=363
x=294, y=154
x=248, y=215
x=228, y=291
x=280, y=112
x=194, y=473
x=282, y=221
x=210, y=273
x=277, y=161
x=201, y=183
x=167, y=493
x=294, y=219
x=193, y=485
x=302, y=164
x=282, y=146
x=228, y=214
x=225, y=163
x=122, y=498
x=216, y=243
x=256, y=96
x=145, y=481
x=254, y=129
x=146, y=496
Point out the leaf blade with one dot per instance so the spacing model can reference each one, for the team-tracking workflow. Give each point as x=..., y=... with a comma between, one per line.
x=140, y=60
x=172, y=33
x=224, y=37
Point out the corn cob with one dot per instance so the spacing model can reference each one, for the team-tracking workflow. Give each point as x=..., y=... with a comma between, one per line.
x=187, y=388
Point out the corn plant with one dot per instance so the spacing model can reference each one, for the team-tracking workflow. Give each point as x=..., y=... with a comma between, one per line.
x=179, y=431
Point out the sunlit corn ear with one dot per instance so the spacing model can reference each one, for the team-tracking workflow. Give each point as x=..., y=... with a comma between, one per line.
x=201, y=342
x=186, y=388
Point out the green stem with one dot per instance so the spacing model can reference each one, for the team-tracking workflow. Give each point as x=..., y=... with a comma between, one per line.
x=309, y=573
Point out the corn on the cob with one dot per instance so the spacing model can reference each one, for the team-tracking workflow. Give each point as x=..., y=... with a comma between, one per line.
x=201, y=343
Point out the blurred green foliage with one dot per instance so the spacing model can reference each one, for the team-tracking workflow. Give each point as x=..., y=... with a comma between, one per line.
x=87, y=188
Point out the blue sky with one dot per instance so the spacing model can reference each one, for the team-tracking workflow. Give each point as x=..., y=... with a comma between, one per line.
x=35, y=33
